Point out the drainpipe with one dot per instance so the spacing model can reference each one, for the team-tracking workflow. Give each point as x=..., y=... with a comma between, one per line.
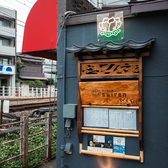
x=62, y=157
x=64, y=63
x=66, y=15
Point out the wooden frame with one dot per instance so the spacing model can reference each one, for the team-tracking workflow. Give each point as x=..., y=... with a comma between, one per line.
x=126, y=76
x=120, y=156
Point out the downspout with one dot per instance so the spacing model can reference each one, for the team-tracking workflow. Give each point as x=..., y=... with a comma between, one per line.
x=66, y=15
x=62, y=155
x=64, y=62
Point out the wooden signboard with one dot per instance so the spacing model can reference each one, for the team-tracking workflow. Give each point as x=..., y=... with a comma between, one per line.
x=122, y=93
x=107, y=69
x=113, y=84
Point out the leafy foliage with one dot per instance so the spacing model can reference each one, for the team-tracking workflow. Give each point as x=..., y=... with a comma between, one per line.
x=33, y=83
x=19, y=80
x=38, y=82
x=29, y=82
x=50, y=81
x=12, y=149
x=19, y=66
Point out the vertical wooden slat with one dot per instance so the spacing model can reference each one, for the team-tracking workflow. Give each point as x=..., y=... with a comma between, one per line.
x=79, y=111
x=24, y=141
x=141, y=156
x=48, y=135
x=140, y=104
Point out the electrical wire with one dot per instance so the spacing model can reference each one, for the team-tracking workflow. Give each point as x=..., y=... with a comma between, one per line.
x=9, y=16
x=16, y=5
x=21, y=3
x=30, y=2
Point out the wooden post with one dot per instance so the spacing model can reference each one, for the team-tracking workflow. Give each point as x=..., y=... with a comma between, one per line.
x=24, y=141
x=1, y=112
x=79, y=108
x=140, y=104
x=48, y=135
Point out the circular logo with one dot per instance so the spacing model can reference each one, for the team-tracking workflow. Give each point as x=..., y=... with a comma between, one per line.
x=96, y=93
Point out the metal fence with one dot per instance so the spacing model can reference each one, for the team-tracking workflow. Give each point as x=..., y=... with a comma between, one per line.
x=24, y=128
x=27, y=92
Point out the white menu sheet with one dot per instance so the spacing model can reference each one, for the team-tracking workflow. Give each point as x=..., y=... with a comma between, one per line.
x=96, y=117
x=122, y=119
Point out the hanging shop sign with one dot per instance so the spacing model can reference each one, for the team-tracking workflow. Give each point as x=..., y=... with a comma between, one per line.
x=110, y=26
x=110, y=93
x=110, y=79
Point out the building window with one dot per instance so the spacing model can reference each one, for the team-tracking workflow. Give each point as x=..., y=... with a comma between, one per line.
x=33, y=69
x=4, y=61
x=4, y=42
x=1, y=61
x=5, y=23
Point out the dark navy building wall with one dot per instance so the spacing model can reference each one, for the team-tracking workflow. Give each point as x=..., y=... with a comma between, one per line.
x=155, y=90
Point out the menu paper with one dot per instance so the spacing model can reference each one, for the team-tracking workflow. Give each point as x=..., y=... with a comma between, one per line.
x=96, y=117
x=122, y=119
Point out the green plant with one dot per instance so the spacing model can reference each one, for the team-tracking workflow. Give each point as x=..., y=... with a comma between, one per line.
x=10, y=150
x=18, y=80
x=19, y=66
x=49, y=81
x=38, y=82
x=29, y=82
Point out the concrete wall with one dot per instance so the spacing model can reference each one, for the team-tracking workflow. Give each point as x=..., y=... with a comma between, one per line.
x=155, y=88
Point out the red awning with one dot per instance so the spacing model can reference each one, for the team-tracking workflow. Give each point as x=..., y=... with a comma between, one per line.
x=40, y=34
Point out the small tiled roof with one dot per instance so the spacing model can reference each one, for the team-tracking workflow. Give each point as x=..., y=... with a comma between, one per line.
x=110, y=46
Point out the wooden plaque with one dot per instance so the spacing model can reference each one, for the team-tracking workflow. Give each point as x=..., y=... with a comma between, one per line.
x=120, y=93
x=107, y=69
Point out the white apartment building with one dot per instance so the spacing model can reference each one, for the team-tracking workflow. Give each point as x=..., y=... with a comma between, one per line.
x=50, y=69
x=7, y=46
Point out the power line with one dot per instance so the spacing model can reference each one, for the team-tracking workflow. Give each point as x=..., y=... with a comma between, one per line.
x=13, y=3
x=30, y=2
x=23, y=4
x=20, y=25
x=9, y=16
